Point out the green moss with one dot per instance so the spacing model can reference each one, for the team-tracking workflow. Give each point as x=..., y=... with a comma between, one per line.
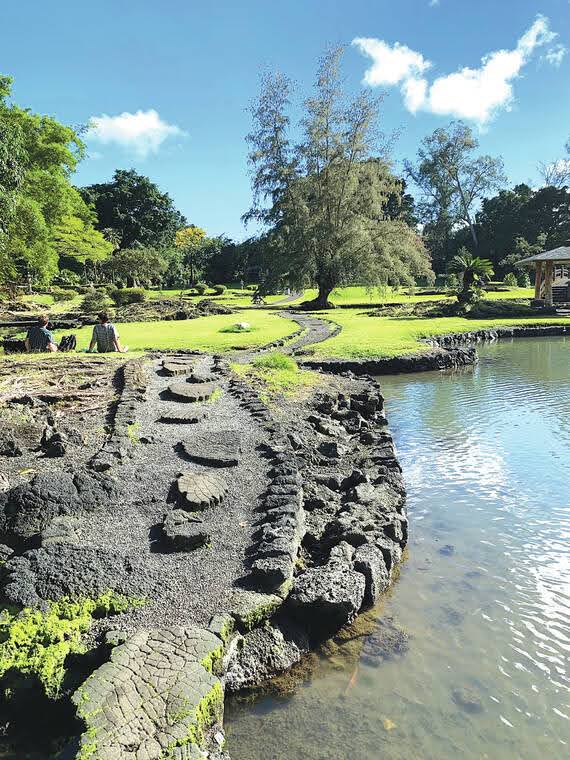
x=133, y=432
x=205, y=715
x=37, y=643
x=88, y=745
x=216, y=395
x=211, y=660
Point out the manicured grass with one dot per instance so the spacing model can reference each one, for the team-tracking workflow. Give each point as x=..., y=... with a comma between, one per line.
x=52, y=306
x=360, y=295
x=204, y=333
x=364, y=336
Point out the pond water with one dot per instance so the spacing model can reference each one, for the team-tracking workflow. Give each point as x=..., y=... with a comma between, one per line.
x=484, y=594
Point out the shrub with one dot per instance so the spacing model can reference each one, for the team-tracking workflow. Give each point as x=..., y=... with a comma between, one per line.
x=67, y=277
x=219, y=289
x=499, y=309
x=62, y=294
x=200, y=288
x=94, y=301
x=523, y=279
x=110, y=288
x=452, y=281
x=128, y=295
x=510, y=280
x=275, y=361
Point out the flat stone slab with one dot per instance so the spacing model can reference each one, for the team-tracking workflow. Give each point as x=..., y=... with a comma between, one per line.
x=183, y=531
x=219, y=448
x=176, y=368
x=191, y=392
x=182, y=417
x=200, y=490
x=155, y=695
x=201, y=377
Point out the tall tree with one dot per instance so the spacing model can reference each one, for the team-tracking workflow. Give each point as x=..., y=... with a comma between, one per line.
x=136, y=266
x=557, y=173
x=189, y=241
x=134, y=207
x=37, y=157
x=324, y=200
x=449, y=172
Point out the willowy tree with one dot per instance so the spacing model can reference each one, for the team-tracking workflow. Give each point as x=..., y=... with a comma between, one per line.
x=324, y=200
x=557, y=173
x=451, y=178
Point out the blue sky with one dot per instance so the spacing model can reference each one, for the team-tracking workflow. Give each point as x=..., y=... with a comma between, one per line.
x=196, y=65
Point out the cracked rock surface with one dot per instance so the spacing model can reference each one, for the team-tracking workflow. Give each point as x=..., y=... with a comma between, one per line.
x=154, y=697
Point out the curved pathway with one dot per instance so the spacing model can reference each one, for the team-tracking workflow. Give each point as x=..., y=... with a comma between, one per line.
x=316, y=330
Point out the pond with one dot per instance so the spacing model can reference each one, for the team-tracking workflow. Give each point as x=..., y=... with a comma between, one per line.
x=484, y=595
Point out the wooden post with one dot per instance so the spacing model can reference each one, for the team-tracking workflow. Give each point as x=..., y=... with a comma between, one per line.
x=548, y=284
x=538, y=280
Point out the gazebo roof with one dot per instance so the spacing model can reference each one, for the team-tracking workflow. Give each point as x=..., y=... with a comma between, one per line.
x=557, y=254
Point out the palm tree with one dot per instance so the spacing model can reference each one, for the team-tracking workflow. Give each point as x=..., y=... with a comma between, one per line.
x=472, y=270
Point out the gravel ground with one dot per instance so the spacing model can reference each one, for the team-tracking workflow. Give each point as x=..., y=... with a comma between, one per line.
x=187, y=587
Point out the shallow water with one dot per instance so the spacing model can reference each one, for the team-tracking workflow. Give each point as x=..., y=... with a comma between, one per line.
x=484, y=593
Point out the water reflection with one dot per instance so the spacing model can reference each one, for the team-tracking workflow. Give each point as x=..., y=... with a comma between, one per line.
x=485, y=594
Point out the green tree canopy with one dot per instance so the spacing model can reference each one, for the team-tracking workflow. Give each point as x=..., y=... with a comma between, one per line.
x=37, y=157
x=324, y=201
x=135, y=209
x=452, y=181
x=136, y=266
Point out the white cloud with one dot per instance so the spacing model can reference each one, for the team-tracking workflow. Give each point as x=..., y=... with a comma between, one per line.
x=433, y=3
x=142, y=132
x=556, y=54
x=392, y=64
x=476, y=94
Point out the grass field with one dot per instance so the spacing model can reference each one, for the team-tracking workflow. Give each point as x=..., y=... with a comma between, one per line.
x=204, y=333
x=364, y=336
x=360, y=295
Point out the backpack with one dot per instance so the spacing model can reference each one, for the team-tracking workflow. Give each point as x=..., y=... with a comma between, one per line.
x=68, y=343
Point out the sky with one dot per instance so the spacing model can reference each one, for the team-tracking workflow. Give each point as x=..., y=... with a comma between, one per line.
x=165, y=87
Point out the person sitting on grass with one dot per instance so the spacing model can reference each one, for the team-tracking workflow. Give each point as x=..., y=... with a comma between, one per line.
x=106, y=337
x=39, y=338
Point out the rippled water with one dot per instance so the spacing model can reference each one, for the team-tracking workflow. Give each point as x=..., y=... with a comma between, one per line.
x=484, y=594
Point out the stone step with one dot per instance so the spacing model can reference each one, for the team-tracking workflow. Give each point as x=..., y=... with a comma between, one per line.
x=191, y=392
x=200, y=490
x=183, y=417
x=220, y=448
x=172, y=368
x=183, y=531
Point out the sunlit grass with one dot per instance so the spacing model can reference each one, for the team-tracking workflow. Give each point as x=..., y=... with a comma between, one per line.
x=365, y=336
x=276, y=374
x=204, y=333
x=357, y=294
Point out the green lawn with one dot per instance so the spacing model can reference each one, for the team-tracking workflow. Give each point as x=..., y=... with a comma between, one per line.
x=357, y=294
x=364, y=336
x=204, y=333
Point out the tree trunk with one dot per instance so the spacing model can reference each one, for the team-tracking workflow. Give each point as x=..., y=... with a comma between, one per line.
x=322, y=299
x=467, y=214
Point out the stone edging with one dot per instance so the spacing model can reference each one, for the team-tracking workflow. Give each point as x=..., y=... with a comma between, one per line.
x=437, y=359
x=453, y=340
x=450, y=351
x=123, y=436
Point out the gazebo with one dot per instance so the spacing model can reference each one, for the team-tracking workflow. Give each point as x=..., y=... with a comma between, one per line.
x=552, y=281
